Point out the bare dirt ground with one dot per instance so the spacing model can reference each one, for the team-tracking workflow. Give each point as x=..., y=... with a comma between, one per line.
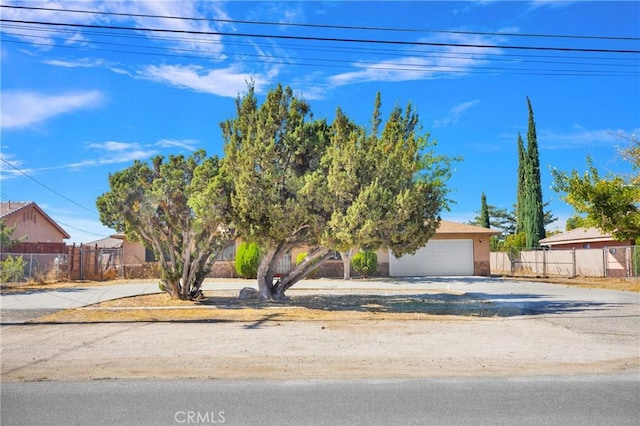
x=336, y=334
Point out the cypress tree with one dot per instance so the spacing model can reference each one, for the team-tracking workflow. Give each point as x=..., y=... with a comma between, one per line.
x=534, y=227
x=484, y=212
x=521, y=190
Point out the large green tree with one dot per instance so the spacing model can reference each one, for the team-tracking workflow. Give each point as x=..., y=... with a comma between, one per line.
x=179, y=208
x=385, y=188
x=529, y=209
x=610, y=203
x=303, y=182
x=273, y=153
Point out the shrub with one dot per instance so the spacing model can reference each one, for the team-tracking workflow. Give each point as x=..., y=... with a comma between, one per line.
x=365, y=263
x=299, y=259
x=247, y=260
x=12, y=269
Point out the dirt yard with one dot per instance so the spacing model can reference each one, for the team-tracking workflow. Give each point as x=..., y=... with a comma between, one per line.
x=336, y=334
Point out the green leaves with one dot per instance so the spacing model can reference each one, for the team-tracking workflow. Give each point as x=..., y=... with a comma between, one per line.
x=611, y=204
x=179, y=207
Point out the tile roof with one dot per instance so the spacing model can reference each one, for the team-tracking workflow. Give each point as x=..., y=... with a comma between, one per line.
x=8, y=208
x=577, y=235
x=447, y=227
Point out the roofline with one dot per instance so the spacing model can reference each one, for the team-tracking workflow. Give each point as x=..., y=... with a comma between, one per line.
x=43, y=213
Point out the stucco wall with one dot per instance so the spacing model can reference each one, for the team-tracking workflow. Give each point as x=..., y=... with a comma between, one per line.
x=31, y=223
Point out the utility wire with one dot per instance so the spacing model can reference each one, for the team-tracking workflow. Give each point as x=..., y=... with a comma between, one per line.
x=451, y=55
x=342, y=49
x=385, y=67
x=331, y=39
x=325, y=26
x=48, y=188
x=350, y=61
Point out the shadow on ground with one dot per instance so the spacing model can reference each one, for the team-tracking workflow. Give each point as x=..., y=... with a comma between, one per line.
x=476, y=304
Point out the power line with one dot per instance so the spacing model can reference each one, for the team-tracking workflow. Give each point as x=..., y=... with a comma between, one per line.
x=451, y=55
x=331, y=39
x=325, y=26
x=350, y=61
x=381, y=51
x=48, y=188
x=385, y=67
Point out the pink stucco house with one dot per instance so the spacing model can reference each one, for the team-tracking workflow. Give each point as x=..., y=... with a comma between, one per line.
x=32, y=224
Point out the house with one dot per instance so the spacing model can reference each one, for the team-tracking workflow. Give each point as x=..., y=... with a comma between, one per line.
x=32, y=224
x=455, y=249
x=583, y=238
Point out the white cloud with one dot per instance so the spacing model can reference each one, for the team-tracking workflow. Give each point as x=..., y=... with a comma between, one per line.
x=582, y=137
x=207, y=44
x=454, y=56
x=21, y=109
x=222, y=82
x=188, y=144
x=78, y=63
x=454, y=114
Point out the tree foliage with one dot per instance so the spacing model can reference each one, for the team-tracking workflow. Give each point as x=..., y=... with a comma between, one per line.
x=273, y=153
x=365, y=263
x=179, y=208
x=6, y=236
x=484, y=219
x=529, y=209
x=247, y=260
x=611, y=203
x=299, y=181
x=385, y=188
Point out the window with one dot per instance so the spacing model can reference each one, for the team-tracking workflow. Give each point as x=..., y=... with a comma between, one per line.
x=335, y=255
x=228, y=253
x=149, y=255
x=586, y=246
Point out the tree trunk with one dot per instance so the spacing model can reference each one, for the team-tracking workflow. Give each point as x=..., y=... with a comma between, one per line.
x=266, y=271
x=346, y=263
x=312, y=262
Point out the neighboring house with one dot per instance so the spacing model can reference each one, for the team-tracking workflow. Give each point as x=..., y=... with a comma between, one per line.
x=32, y=224
x=455, y=249
x=583, y=238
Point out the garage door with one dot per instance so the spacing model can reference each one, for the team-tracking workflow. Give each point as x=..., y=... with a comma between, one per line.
x=438, y=257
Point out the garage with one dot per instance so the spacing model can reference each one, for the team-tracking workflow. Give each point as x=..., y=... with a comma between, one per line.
x=438, y=257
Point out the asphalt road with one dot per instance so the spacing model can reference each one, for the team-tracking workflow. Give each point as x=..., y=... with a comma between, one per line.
x=593, y=400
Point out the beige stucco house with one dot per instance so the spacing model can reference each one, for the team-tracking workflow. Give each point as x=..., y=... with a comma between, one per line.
x=455, y=249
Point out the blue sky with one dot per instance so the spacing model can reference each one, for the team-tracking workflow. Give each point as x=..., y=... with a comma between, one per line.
x=79, y=103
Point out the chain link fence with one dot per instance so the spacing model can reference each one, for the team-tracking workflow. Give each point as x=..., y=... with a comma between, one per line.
x=80, y=263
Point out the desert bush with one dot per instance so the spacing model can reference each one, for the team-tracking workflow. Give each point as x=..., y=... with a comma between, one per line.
x=365, y=263
x=12, y=269
x=247, y=260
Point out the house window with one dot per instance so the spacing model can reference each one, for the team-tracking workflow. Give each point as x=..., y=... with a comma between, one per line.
x=586, y=246
x=335, y=255
x=228, y=253
x=149, y=255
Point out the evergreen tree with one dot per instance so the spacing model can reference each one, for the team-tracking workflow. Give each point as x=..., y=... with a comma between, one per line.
x=484, y=212
x=534, y=218
x=530, y=217
x=520, y=206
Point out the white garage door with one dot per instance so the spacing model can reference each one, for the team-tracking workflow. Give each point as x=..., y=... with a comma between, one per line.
x=438, y=257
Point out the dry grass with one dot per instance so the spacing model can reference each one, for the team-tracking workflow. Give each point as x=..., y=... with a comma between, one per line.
x=307, y=305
